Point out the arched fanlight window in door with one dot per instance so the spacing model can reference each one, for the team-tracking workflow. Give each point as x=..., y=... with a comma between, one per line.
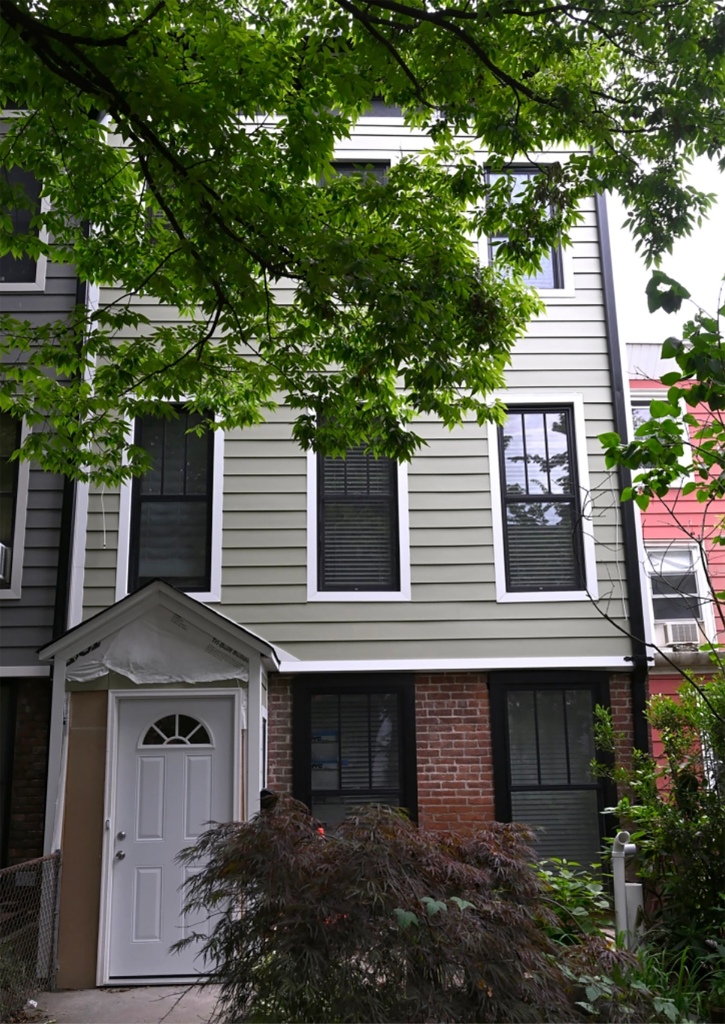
x=176, y=730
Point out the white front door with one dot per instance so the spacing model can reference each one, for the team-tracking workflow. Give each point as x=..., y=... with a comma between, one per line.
x=174, y=775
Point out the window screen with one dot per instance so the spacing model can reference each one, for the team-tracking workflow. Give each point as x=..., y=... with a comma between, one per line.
x=542, y=528
x=357, y=531
x=354, y=752
x=550, y=275
x=21, y=269
x=550, y=744
x=673, y=578
x=172, y=504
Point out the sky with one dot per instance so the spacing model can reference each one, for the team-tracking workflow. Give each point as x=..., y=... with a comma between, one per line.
x=697, y=262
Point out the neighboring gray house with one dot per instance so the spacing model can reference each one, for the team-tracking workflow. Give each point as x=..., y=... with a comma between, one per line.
x=433, y=636
x=35, y=520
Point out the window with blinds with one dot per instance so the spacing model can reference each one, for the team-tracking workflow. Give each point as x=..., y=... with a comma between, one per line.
x=545, y=748
x=353, y=743
x=354, y=752
x=20, y=269
x=171, y=504
x=543, y=540
x=358, y=541
x=550, y=274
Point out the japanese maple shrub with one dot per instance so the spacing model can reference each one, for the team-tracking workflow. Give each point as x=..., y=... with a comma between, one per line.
x=381, y=921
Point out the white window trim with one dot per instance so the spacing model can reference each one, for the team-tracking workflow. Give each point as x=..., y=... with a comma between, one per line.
x=14, y=591
x=313, y=594
x=705, y=594
x=657, y=394
x=214, y=594
x=38, y=285
x=591, y=592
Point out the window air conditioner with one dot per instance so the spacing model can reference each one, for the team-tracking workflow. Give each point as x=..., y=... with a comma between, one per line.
x=5, y=560
x=687, y=632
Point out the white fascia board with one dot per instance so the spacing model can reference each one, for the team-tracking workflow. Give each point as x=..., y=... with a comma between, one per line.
x=614, y=663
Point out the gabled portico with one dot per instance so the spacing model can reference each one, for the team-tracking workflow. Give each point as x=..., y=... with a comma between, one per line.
x=158, y=718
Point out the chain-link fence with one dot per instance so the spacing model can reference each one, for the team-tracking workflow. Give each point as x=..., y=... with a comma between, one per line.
x=28, y=928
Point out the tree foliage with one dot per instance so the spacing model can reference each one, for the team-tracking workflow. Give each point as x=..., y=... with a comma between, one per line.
x=383, y=921
x=182, y=146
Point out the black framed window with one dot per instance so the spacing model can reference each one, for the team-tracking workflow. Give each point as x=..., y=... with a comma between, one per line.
x=366, y=169
x=354, y=743
x=9, y=442
x=551, y=273
x=171, y=504
x=543, y=744
x=542, y=527
x=21, y=269
x=358, y=538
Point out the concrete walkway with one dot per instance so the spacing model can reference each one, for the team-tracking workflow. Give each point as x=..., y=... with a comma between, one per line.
x=170, y=1004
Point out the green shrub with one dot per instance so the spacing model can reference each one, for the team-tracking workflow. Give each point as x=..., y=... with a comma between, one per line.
x=675, y=810
x=386, y=922
x=577, y=898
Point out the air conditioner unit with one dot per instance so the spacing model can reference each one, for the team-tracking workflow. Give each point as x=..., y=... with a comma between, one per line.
x=5, y=562
x=684, y=632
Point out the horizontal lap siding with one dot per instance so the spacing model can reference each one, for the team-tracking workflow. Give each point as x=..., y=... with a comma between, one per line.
x=27, y=622
x=453, y=612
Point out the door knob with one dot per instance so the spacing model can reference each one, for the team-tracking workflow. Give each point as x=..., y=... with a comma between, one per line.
x=120, y=855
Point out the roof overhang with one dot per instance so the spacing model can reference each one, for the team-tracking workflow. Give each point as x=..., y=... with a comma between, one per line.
x=160, y=598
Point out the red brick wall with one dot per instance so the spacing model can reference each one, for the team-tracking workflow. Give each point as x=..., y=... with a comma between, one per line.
x=620, y=696
x=279, y=734
x=455, y=767
x=453, y=740
x=30, y=766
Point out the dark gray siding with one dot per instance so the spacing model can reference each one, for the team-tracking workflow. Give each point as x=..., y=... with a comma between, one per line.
x=27, y=621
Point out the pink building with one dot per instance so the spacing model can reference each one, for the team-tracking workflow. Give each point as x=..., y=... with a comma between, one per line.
x=684, y=565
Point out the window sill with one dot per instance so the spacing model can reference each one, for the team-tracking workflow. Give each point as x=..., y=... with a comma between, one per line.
x=532, y=596
x=358, y=595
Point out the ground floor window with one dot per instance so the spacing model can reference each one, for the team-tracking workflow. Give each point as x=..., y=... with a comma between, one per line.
x=354, y=743
x=543, y=744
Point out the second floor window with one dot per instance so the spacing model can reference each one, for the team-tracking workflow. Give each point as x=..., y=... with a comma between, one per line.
x=171, y=504
x=358, y=538
x=543, y=539
x=675, y=589
x=20, y=270
x=551, y=274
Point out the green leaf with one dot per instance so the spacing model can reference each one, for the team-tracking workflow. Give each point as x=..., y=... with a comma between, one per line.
x=433, y=906
x=460, y=903
x=405, y=918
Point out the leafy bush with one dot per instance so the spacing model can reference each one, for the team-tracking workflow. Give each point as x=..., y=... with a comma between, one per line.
x=577, y=899
x=385, y=922
x=675, y=811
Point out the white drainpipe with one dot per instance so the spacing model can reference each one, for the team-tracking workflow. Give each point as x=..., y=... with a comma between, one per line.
x=627, y=895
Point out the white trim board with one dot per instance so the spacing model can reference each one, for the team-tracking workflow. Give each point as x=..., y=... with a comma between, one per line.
x=591, y=592
x=313, y=594
x=614, y=662
x=14, y=591
x=24, y=672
